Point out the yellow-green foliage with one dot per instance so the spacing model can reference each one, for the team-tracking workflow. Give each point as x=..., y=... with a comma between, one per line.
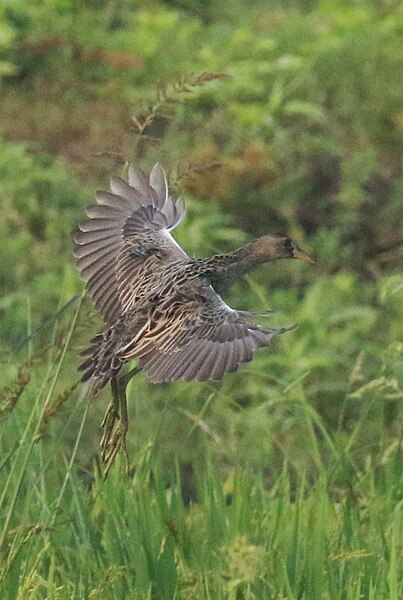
x=284, y=480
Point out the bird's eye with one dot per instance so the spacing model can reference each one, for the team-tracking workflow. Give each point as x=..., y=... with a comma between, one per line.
x=289, y=244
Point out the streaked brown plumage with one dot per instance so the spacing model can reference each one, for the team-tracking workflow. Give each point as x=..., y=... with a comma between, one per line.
x=160, y=306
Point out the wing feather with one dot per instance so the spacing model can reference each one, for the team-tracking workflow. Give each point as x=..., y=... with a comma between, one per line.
x=219, y=340
x=100, y=224
x=94, y=246
x=92, y=272
x=203, y=369
x=185, y=361
x=88, y=237
x=138, y=214
x=218, y=370
x=97, y=211
x=115, y=201
x=123, y=189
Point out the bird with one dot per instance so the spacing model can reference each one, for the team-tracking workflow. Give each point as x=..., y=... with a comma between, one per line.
x=160, y=306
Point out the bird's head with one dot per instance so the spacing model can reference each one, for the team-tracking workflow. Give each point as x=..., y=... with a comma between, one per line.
x=279, y=246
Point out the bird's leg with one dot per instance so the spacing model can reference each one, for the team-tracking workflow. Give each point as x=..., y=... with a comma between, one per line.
x=114, y=437
x=110, y=418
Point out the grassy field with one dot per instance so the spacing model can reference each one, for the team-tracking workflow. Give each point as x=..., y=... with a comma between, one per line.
x=331, y=529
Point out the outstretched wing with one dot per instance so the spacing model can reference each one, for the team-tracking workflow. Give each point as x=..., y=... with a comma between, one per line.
x=198, y=339
x=126, y=228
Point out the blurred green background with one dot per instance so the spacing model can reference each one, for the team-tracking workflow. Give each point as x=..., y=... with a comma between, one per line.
x=269, y=116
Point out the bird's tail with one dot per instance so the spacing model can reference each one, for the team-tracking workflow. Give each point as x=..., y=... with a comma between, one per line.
x=100, y=364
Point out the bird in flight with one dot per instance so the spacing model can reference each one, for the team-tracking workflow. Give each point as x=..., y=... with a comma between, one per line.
x=160, y=306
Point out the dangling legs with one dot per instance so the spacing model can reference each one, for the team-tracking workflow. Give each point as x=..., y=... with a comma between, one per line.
x=114, y=435
x=110, y=418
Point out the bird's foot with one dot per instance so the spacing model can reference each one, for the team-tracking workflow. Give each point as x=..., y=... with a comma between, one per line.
x=113, y=438
x=112, y=447
x=107, y=427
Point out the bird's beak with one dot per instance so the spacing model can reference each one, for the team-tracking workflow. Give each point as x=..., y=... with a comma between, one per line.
x=301, y=255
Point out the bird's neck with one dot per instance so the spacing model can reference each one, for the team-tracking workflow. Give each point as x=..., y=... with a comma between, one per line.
x=227, y=268
x=245, y=258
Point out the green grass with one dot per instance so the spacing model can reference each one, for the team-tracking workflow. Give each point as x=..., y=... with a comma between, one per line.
x=74, y=537
x=331, y=529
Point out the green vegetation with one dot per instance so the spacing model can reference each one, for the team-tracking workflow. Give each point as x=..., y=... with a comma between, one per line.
x=284, y=480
